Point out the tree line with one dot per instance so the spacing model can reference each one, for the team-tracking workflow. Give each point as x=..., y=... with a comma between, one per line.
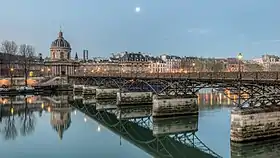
x=12, y=51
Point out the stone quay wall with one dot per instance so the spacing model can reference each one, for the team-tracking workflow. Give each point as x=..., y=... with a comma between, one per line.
x=165, y=107
x=102, y=93
x=134, y=98
x=255, y=123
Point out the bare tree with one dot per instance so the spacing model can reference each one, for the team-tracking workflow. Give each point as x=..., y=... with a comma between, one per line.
x=9, y=48
x=28, y=121
x=10, y=130
x=254, y=67
x=28, y=52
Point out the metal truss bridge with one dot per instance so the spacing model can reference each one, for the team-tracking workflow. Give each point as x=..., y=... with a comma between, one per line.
x=140, y=131
x=251, y=88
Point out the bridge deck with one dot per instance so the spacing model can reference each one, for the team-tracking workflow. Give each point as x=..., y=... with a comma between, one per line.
x=222, y=76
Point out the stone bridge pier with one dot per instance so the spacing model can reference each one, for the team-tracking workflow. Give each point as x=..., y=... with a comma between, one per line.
x=256, y=116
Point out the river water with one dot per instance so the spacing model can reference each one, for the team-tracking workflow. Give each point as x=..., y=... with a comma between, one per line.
x=50, y=127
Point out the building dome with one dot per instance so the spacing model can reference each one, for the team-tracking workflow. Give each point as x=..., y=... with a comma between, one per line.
x=60, y=42
x=60, y=48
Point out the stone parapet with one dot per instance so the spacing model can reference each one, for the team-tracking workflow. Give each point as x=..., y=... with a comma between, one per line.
x=255, y=123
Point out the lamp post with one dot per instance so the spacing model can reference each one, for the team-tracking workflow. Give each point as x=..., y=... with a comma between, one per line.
x=49, y=72
x=42, y=71
x=158, y=76
x=12, y=70
x=85, y=71
x=193, y=65
x=158, y=70
x=239, y=57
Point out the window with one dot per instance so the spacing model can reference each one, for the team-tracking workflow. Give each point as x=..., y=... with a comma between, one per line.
x=61, y=55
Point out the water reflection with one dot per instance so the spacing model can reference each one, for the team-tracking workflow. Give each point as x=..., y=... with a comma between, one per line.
x=173, y=137
x=17, y=114
x=266, y=148
x=176, y=125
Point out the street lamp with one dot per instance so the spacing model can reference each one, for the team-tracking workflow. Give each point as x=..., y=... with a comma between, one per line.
x=239, y=57
x=193, y=65
x=12, y=70
x=49, y=71
x=85, y=71
x=158, y=68
x=42, y=71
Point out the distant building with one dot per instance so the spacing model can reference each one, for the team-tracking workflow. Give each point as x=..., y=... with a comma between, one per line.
x=60, y=62
x=134, y=63
x=232, y=65
x=173, y=63
x=15, y=65
x=157, y=65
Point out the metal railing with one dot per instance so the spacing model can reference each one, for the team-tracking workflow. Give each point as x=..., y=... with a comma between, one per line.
x=261, y=76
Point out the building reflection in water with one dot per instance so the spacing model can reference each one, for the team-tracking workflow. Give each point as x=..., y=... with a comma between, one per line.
x=60, y=111
x=18, y=114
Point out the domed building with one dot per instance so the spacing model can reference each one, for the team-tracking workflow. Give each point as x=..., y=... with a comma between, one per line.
x=60, y=48
x=60, y=62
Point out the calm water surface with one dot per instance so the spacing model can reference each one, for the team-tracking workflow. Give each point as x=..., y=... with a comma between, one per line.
x=48, y=128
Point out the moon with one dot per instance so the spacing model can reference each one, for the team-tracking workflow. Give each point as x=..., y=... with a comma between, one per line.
x=137, y=9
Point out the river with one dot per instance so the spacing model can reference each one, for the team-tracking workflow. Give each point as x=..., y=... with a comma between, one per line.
x=41, y=126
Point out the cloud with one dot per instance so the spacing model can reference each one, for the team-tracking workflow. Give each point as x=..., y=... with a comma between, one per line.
x=198, y=30
x=265, y=41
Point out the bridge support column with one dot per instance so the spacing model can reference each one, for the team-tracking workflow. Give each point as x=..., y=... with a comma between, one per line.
x=185, y=124
x=78, y=88
x=164, y=106
x=105, y=104
x=134, y=98
x=109, y=93
x=87, y=90
x=133, y=112
x=255, y=123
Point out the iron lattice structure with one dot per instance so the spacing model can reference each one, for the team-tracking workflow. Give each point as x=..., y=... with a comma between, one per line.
x=138, y=131
x=257, y=90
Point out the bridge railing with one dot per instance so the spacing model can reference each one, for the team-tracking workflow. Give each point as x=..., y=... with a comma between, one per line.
x=194, y=75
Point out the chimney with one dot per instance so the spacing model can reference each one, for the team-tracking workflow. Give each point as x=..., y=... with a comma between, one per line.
x=84, y=55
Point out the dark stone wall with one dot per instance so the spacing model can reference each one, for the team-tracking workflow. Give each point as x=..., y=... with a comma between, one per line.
x=255, y=123
x=174, y=107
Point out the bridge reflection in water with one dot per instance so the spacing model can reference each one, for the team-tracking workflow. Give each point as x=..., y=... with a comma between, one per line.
x=174, y=137
x=166, y=138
